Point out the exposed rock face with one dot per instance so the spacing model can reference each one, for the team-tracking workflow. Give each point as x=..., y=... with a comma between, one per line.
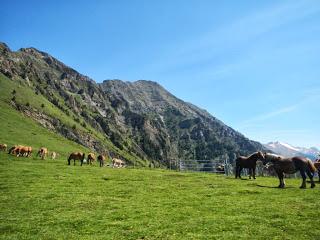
x=140, y=118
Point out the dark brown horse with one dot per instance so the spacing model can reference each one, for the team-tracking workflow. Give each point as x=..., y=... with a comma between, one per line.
x=317, y=165
x=101, y=160
x=284, y=165
x=91, y=158
x=76, y=156
x=249, y=162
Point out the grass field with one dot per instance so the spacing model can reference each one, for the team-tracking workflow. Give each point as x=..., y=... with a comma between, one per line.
x=50, y=200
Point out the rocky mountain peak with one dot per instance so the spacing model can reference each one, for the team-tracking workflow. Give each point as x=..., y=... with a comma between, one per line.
x=141, y=119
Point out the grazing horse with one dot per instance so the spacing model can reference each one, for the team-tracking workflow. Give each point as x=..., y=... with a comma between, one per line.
x=91, y=158
x=20, y=151
x=43, y=152
x=291, y=165
x=317, y=165
x=101, y=160
x=3, y=147
x=249, y=162
x=117, y=163
x=76, y=156
x=53, y=155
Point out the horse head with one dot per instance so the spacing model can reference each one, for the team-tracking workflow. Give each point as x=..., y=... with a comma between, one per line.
x=270, y=157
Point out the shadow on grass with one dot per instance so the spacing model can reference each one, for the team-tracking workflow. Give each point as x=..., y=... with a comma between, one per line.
x=258, y=185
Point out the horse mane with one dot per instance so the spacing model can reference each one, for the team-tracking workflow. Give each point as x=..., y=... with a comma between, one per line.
x=252, y=155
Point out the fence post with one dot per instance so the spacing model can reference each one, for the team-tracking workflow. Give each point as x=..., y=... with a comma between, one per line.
x=225, y=167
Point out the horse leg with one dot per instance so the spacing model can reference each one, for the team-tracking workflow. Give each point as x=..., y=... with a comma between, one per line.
x=250, y=172
x=240, y=169
x=237, y=169
x=81, y=162
x=254, y=173
x=310, y=175
x=281, y=176
x=74, y=162
x=69, y=161
x=303, y=175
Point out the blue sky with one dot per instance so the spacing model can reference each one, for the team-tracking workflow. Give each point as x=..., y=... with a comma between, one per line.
x=253, y=64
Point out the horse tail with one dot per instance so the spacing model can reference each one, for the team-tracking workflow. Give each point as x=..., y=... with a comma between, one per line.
x=311, y=166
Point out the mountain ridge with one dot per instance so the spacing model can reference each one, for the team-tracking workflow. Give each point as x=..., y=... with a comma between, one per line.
x=140, y=119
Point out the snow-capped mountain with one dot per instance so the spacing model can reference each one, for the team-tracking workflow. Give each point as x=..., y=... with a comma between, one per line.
x=288, y=150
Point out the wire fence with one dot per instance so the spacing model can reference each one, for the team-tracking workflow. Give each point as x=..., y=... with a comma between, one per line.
x=222, y=166
x=210, y=166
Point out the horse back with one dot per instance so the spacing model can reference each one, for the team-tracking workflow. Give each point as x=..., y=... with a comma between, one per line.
x=76, y=156
x=245, y=162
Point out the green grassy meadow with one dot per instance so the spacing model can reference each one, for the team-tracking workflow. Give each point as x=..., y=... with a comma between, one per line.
x=46, y=199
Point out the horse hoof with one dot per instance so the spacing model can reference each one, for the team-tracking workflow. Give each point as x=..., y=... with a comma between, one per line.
x=313, y=185
x=302, y=187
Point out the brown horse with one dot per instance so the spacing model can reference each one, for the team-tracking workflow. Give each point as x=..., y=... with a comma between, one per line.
x=3, y=147
x=43, y=152
x=20, y=151
x=249, y=162
x=101, y=160
x=284, y=165
x=76, y=156
x=317, y=166
x=91, y=158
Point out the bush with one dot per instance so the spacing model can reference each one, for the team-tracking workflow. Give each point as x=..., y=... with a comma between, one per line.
x=13, y=92
x=28, y=104
x=74, y=127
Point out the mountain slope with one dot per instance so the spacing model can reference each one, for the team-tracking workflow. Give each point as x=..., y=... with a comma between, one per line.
x=138, y=121
x=17, y=128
